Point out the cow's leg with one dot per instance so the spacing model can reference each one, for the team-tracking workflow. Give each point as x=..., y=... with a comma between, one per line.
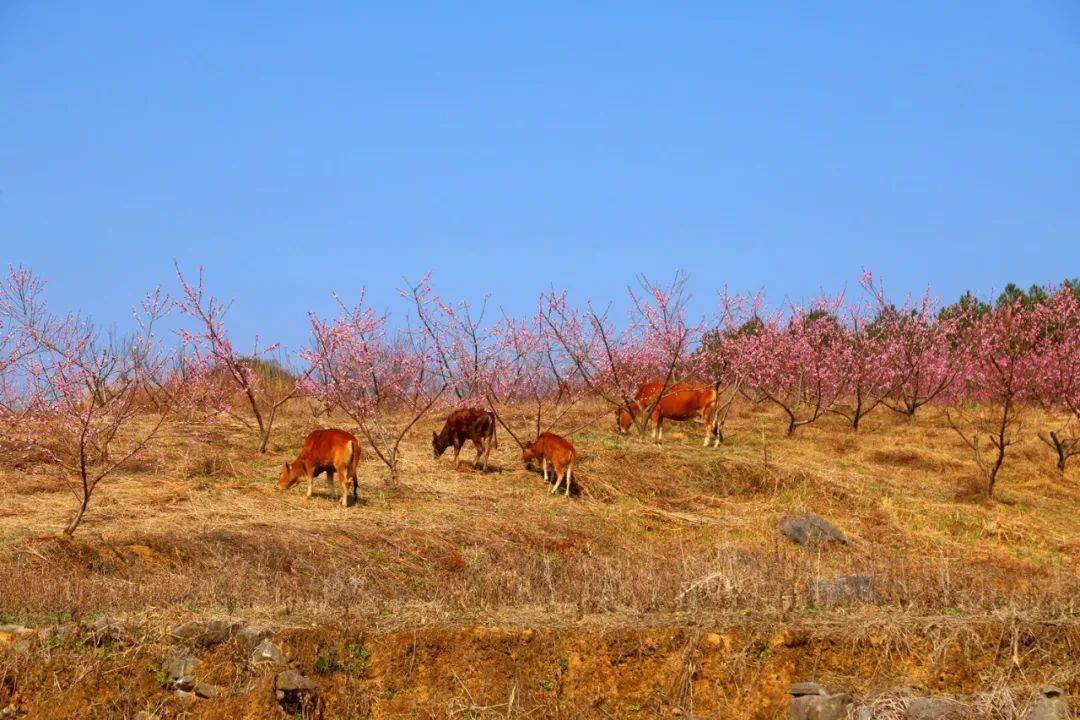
x=486, y=451
x=343, y=480
x=555, y=487
x=457, y=451
x=569, y=474
x=711, y=415
x=330, y=482
x=310, y=483
x=543, y=465
x=479, y=445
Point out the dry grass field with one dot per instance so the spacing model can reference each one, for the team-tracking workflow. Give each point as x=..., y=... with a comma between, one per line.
x=661, y=589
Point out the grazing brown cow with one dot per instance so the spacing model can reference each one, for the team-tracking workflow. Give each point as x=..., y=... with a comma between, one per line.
x=330, y=451
x=467, y=424
x=680, y=402
x=646, y=395
x=554, y=450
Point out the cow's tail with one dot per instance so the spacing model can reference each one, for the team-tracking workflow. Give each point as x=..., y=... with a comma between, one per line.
x=354, y=461
x=494, y=437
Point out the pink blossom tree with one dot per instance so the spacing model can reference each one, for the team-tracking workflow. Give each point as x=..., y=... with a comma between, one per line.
x=461, y=345
x=252, y=376
x=513, y=367
x=384, y=381
x=925, y=351
x=88, y=403
x=716, y=358
x=613, y=362
x=15, y=343
x=998, y=371
x=864, y=361
x=714, y=363
x=531, y=382
x=794, y=361
x=1057, y=373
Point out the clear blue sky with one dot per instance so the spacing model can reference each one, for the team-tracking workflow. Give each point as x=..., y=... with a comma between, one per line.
x=299, y=148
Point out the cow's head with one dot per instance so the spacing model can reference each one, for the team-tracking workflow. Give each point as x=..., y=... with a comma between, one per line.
x=438, y=444
x=289, y=476
x=624, y=420
x=530, y=452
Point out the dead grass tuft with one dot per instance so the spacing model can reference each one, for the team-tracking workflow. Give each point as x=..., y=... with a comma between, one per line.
x=212, y=461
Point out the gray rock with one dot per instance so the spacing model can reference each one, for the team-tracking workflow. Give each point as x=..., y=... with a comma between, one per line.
x=807, y=688
x=189, y=631
x=810, y=529
x=250, y=636
x=206, y=633
x=292, y=681
x=206, y=690
x=179, y=667
x=15, y=637
x=929, y=708
x=811, y=701
x=105, y=630
x=858, y=587
x=833, y=707
x=1049, y=705
x=221, y=629
x=268, y=652
x=863, y=713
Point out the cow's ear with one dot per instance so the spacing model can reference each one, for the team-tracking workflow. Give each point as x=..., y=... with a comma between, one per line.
x=286, y=466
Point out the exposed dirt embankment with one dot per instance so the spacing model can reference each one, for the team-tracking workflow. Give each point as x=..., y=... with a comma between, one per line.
x=594, y=669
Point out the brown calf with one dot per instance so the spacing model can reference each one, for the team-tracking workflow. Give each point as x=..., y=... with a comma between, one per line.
x=330, y=451
x=554, y=450
x=680, y=402
x=467, y=424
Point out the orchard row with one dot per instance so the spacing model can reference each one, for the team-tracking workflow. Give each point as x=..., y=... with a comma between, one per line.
x=88, y=401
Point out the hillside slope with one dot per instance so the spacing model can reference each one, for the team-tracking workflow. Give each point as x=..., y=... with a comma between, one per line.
x=664, y=585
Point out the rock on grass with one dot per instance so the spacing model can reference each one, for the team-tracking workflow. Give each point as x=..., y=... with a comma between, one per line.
x=809, y=529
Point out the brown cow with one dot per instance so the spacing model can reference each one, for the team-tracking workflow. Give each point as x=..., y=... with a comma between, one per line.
x=331, y=451
x=554, y=450
x=646, y=394
x=467, y=424
x=681, y=401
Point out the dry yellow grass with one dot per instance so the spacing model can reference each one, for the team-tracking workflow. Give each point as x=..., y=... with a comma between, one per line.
x=661, y=535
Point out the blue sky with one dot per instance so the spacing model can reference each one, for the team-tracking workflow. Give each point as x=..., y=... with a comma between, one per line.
x=296, y=149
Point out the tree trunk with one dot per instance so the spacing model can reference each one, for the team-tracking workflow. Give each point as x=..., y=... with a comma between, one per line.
x=71, y=526
x=1063, y=457
x=1063, y=449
